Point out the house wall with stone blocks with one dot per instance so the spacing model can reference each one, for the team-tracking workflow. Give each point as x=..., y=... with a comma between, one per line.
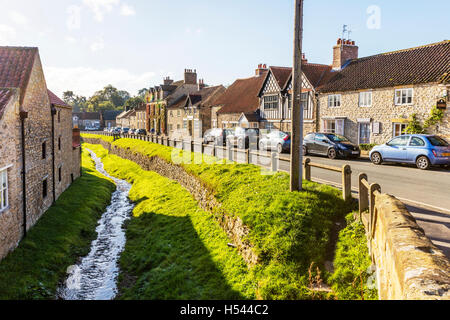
x=384, y=110
x=11, y=218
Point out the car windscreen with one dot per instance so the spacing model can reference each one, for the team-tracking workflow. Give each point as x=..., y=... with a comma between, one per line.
x=438, y=141
x=337, y=138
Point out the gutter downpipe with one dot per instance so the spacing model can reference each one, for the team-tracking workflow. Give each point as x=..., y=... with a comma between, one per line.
x=23, y=116
x=53, y=111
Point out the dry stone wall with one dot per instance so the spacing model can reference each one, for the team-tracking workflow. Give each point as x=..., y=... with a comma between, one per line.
x=409, y=265
x=234, y=227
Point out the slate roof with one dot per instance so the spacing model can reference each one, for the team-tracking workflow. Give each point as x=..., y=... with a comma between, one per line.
x=425, y=64
x=241, y=96
x=5, y=96
x=16, y=64
x=56, y=101
x=110, y=115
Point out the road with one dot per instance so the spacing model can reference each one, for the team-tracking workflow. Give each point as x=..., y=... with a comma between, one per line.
x=425, y=193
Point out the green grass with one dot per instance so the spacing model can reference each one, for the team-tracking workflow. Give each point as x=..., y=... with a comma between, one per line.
x=353, y=264
x=289, y=230
x=63, y=234
x=174, y=250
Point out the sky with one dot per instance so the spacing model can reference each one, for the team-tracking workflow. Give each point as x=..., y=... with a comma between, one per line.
x=132, y=44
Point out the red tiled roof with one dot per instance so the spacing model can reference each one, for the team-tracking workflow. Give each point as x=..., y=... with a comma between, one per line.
x=16, y=64
x=5, y=96
x=425, y=64
x=241, y=96
x=56, y=101
x=281, y=74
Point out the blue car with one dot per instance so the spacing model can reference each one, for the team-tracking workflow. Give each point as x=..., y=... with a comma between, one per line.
x=422, y=150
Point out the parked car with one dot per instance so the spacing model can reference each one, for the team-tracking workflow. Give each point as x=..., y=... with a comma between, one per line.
x=132, y=131
x=241, y=137
x=330, y=145
x=124, y=130
x=422, y=150
x=141, y=132
x=275, y=140
x=217, y=136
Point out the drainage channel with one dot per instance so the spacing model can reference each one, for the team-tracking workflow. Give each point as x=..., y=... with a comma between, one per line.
x=95, y=277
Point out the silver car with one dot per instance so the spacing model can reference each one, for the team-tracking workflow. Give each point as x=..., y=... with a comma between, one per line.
x=275, y=140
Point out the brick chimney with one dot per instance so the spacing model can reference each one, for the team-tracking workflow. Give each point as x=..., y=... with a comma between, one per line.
x=343, y=51
x=261, y=69
x=304, y=60
x=190, y=76
x=201, y=84
x=167, y=81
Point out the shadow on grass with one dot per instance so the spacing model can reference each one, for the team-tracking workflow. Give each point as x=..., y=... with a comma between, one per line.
x=170, y=262
x=64, y=234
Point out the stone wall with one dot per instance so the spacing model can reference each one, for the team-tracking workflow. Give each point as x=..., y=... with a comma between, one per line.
x=409, y=266
x=11, y=219
x=384, y=110
x=233, y=226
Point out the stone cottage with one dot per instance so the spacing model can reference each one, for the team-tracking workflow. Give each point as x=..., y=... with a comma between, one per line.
x=190, y=116
x=39, y=152
x=372, y=99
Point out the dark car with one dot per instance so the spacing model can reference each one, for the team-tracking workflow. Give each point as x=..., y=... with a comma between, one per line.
x=276, y=140
x=217, y=136
x=330, y=145
x=241, y=137
x=141, y=132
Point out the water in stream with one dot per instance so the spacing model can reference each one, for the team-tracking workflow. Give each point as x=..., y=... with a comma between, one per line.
x=94, y=278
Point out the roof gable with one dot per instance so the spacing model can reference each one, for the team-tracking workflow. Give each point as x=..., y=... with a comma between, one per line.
x=426, y=64
x=55, y=100
x=16, y=64
x=5, y=97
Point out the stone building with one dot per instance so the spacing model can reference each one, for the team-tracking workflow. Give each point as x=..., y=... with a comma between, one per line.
x=161, y=97
x=276, y=96
x=87, y=120
x=109, y=118
x=38, y=156
x=141, y=117
x=239, y=103
x=372, y=99
x=190, y=115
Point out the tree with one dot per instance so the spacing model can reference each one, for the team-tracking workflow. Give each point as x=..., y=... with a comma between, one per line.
x=135, y=102
x=143, y=92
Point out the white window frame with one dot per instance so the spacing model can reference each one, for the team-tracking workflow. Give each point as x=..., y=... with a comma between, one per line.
x=406, y=93
x=4, y=189
x=394, y=124
x=359, y=131
x=334, y=100
x=271, y=102
x=339, y=126
x=365, y=99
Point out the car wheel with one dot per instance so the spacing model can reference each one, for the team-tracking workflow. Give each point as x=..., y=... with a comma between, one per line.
x=261, y=146
x=280, y=148
x=332, y=154
x=376, y=158
x=423, y=163
x=305, y=151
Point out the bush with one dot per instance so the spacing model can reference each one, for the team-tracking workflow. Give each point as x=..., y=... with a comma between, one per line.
x=367, y=147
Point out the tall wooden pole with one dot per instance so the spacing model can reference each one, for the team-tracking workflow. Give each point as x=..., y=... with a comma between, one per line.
x=297, y=108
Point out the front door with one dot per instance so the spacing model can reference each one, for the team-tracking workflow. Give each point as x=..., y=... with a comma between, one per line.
x=364, y=133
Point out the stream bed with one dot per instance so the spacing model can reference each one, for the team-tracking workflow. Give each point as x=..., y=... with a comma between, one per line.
x=95, y=277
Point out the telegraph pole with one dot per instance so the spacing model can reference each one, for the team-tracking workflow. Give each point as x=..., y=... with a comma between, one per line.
x=297, y=108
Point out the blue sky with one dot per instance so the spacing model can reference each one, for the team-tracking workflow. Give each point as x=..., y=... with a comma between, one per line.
x=87, y=44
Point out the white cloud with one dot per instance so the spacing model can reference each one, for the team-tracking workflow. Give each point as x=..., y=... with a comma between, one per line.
x=86, y=81
x=70, y=40
x=18, y=18
x=98, y=45
x=7, y=34
x=101, y=7
x=74, y=20
x=127, y=10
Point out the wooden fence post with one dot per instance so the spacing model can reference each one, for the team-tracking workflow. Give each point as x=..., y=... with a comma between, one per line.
x=347, y=182
x=307, y=172
x=230, y=153
x=363, y=195
x=373, y=188
x=247, y=156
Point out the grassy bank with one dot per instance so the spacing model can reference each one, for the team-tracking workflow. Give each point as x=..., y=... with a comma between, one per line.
x=352, y=279
x=289, y=230
x=60, y=237
x=174, y=250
